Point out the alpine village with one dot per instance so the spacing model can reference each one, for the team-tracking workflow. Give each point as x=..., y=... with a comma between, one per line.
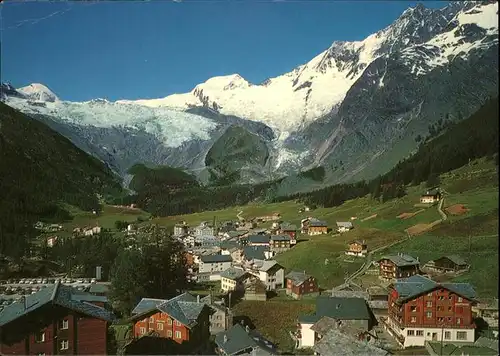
x=157, y=260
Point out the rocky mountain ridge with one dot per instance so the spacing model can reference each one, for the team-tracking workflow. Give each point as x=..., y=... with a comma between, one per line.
x=356, y=108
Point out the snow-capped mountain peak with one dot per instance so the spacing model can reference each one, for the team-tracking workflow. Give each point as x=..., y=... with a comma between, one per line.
x=38, y=92
x=314, y=89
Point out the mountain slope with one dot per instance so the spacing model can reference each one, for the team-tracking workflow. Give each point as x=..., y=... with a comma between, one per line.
x=39, y=168
x=355, y=109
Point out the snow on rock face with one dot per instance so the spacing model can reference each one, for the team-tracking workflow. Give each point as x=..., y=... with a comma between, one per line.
x=310, y=91
x=38, y=92
x=169, y=125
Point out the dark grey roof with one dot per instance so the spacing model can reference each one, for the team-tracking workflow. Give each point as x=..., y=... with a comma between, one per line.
x=347, y=224
x=147, y=304
x=230, y=245
x=297, y=277
x=238, y=339
x=60, y=295
x=216, y=258
x=337, y=343
x=415, y=285
x=258, y=239
x=99, y=288
x=280, y=238
x=433, y=192
x=338, y=308
x=255, y=252
x=317, y=223
x=401, y=260
x=233, y=273
x=288, y=227
x=459, y=261
x=184, y=308
x=237, y=233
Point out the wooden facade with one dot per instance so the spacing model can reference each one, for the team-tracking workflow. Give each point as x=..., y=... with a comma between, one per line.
x=54, y=329
x=398, y=266
x=357, y=248
x=299, y=284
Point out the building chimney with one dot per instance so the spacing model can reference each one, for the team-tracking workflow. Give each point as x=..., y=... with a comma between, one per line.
x=23, y=302
x=198, y=298
x=247, y=329
x=338, y=306
x=225, y=338
x=242, y=322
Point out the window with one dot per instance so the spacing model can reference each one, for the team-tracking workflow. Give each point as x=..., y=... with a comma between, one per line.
x=460, y=300
x=151, y=320
x=441, y=297
x=440, y=320
x=411, y=332
x=429, y=304
x=40, y=337
x=142, y=331
x=178, y=335
x=420, y=333
x=461, y=335
x=429, y=294
x=413, y=319
x=447, y=335
x=169, y=333
x=177, y=323
x=219, y=325
x=219, y=317
x=413, y=309
x=63, y=324
x=450, y=308
x=429, y=314
x=159, y=326
x=439, y=308
x=459, y=320
x=169, y=321
x=64, y=344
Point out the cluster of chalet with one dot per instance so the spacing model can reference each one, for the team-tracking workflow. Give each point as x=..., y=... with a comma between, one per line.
x=415, y=310
x=57, y=319
x=47, y=227
x=87, y=230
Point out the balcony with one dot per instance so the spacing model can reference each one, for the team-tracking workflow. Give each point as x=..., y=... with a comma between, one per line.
x=403, y=325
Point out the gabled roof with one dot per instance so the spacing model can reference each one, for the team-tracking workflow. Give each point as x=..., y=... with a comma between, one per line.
x=233, y=273
x=60, y=295
x=216, y=258
x=408, y=288
x=336, y=342
x=317, y=223
x=237, y=233
x=347, y=224
x=280, y=237
x=297, y=277
x=184, y=308
x=258, y=239
x=434, y=191
x=255, y=252
x=338, y=308
x=288, y=227
x=357, y=242
x=459, y=261
x=268, y=265
x=147, y=304
x=237, y=339
x=401, y=260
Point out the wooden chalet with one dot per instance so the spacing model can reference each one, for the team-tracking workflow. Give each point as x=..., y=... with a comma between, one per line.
x=422, y=310
x=255, y=290
x=398, y=266
x=431, y=196
x=299, y=284
x=312, y=226
x=184, y=319
x=55, y=320
x=450, y=263
x=357, y=248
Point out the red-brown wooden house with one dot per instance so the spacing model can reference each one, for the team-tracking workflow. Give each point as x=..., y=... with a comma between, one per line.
x=299, y=284
x=184, y=319
x=421, y=310
x=57, y=320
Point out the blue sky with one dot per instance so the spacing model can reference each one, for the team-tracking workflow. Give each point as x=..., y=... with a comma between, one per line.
x=131, y=50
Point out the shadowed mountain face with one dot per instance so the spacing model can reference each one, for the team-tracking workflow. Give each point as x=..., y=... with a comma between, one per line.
x=355, y=109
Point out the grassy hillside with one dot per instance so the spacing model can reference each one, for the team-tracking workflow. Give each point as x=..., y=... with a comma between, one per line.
x=474, y=186
x=39, y=168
